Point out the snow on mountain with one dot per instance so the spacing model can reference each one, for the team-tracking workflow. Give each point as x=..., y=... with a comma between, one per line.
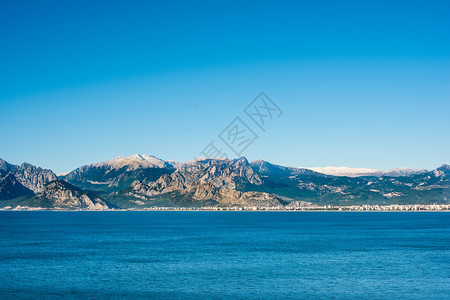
x=344, y=171
x=355, y=172
x=403, y=172
x=136, y=161
x=442, y=171
x=119, y=172
x=266, y=168
x=173, y=162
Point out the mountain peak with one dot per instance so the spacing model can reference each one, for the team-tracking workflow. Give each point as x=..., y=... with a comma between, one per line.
x=4, y=165
x=442, y=170
x=135, y=161
x=113, y=174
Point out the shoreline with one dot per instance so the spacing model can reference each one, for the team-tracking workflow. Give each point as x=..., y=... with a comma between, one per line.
x=327, y=208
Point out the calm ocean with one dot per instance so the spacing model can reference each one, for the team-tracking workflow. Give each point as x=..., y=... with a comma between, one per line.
x=250, y=255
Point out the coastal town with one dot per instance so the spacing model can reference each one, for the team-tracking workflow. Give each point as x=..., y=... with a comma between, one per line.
x=393, y=207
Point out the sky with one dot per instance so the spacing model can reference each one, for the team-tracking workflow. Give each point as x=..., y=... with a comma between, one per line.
x=359, y=83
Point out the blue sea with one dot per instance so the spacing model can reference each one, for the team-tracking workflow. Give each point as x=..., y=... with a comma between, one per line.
x=213, y=255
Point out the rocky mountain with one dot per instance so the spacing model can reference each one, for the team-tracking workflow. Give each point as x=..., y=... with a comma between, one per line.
x=228, y=182
x=59, y=194
x=265, y=168
x=204, y=182
x=402, y=172
x=119, y=173
x=429, y=187
x=357, y=172
x=140, y=181
x=228, y=173
x=30, y=176
x=196, y=194
x=442, y=172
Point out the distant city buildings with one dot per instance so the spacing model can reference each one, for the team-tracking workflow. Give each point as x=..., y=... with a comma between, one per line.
x=394, y=207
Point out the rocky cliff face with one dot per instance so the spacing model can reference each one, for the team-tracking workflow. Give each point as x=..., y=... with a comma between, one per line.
x=202, y=192
x=227, y=173
x=59, y=194
x=30, y=176
x=33, y=177
x=220, y=182
x=207, y=173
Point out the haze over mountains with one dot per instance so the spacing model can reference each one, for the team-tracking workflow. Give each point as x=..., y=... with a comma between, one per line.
x=142, y=181
x=355, y=172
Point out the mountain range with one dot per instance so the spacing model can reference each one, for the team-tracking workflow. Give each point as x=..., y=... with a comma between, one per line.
x=356, y=172
x=143, y=181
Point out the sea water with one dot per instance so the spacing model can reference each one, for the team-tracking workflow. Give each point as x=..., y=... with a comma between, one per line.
x=243, y=255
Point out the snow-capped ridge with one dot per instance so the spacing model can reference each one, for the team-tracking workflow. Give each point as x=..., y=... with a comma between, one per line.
x=134, y=162
x=355, y=172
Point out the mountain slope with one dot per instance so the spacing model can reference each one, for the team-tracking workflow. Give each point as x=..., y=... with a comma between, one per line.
x=265, y=168
x=59, y=194
x=11, y=188
x=430, y=187
x=118, y=173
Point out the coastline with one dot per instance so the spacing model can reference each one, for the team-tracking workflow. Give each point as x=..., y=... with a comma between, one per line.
x=327, y=208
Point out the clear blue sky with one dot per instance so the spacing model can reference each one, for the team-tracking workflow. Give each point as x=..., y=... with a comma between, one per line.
x=361, y=83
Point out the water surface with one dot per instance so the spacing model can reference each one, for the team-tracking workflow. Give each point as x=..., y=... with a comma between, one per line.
x=341, y=255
